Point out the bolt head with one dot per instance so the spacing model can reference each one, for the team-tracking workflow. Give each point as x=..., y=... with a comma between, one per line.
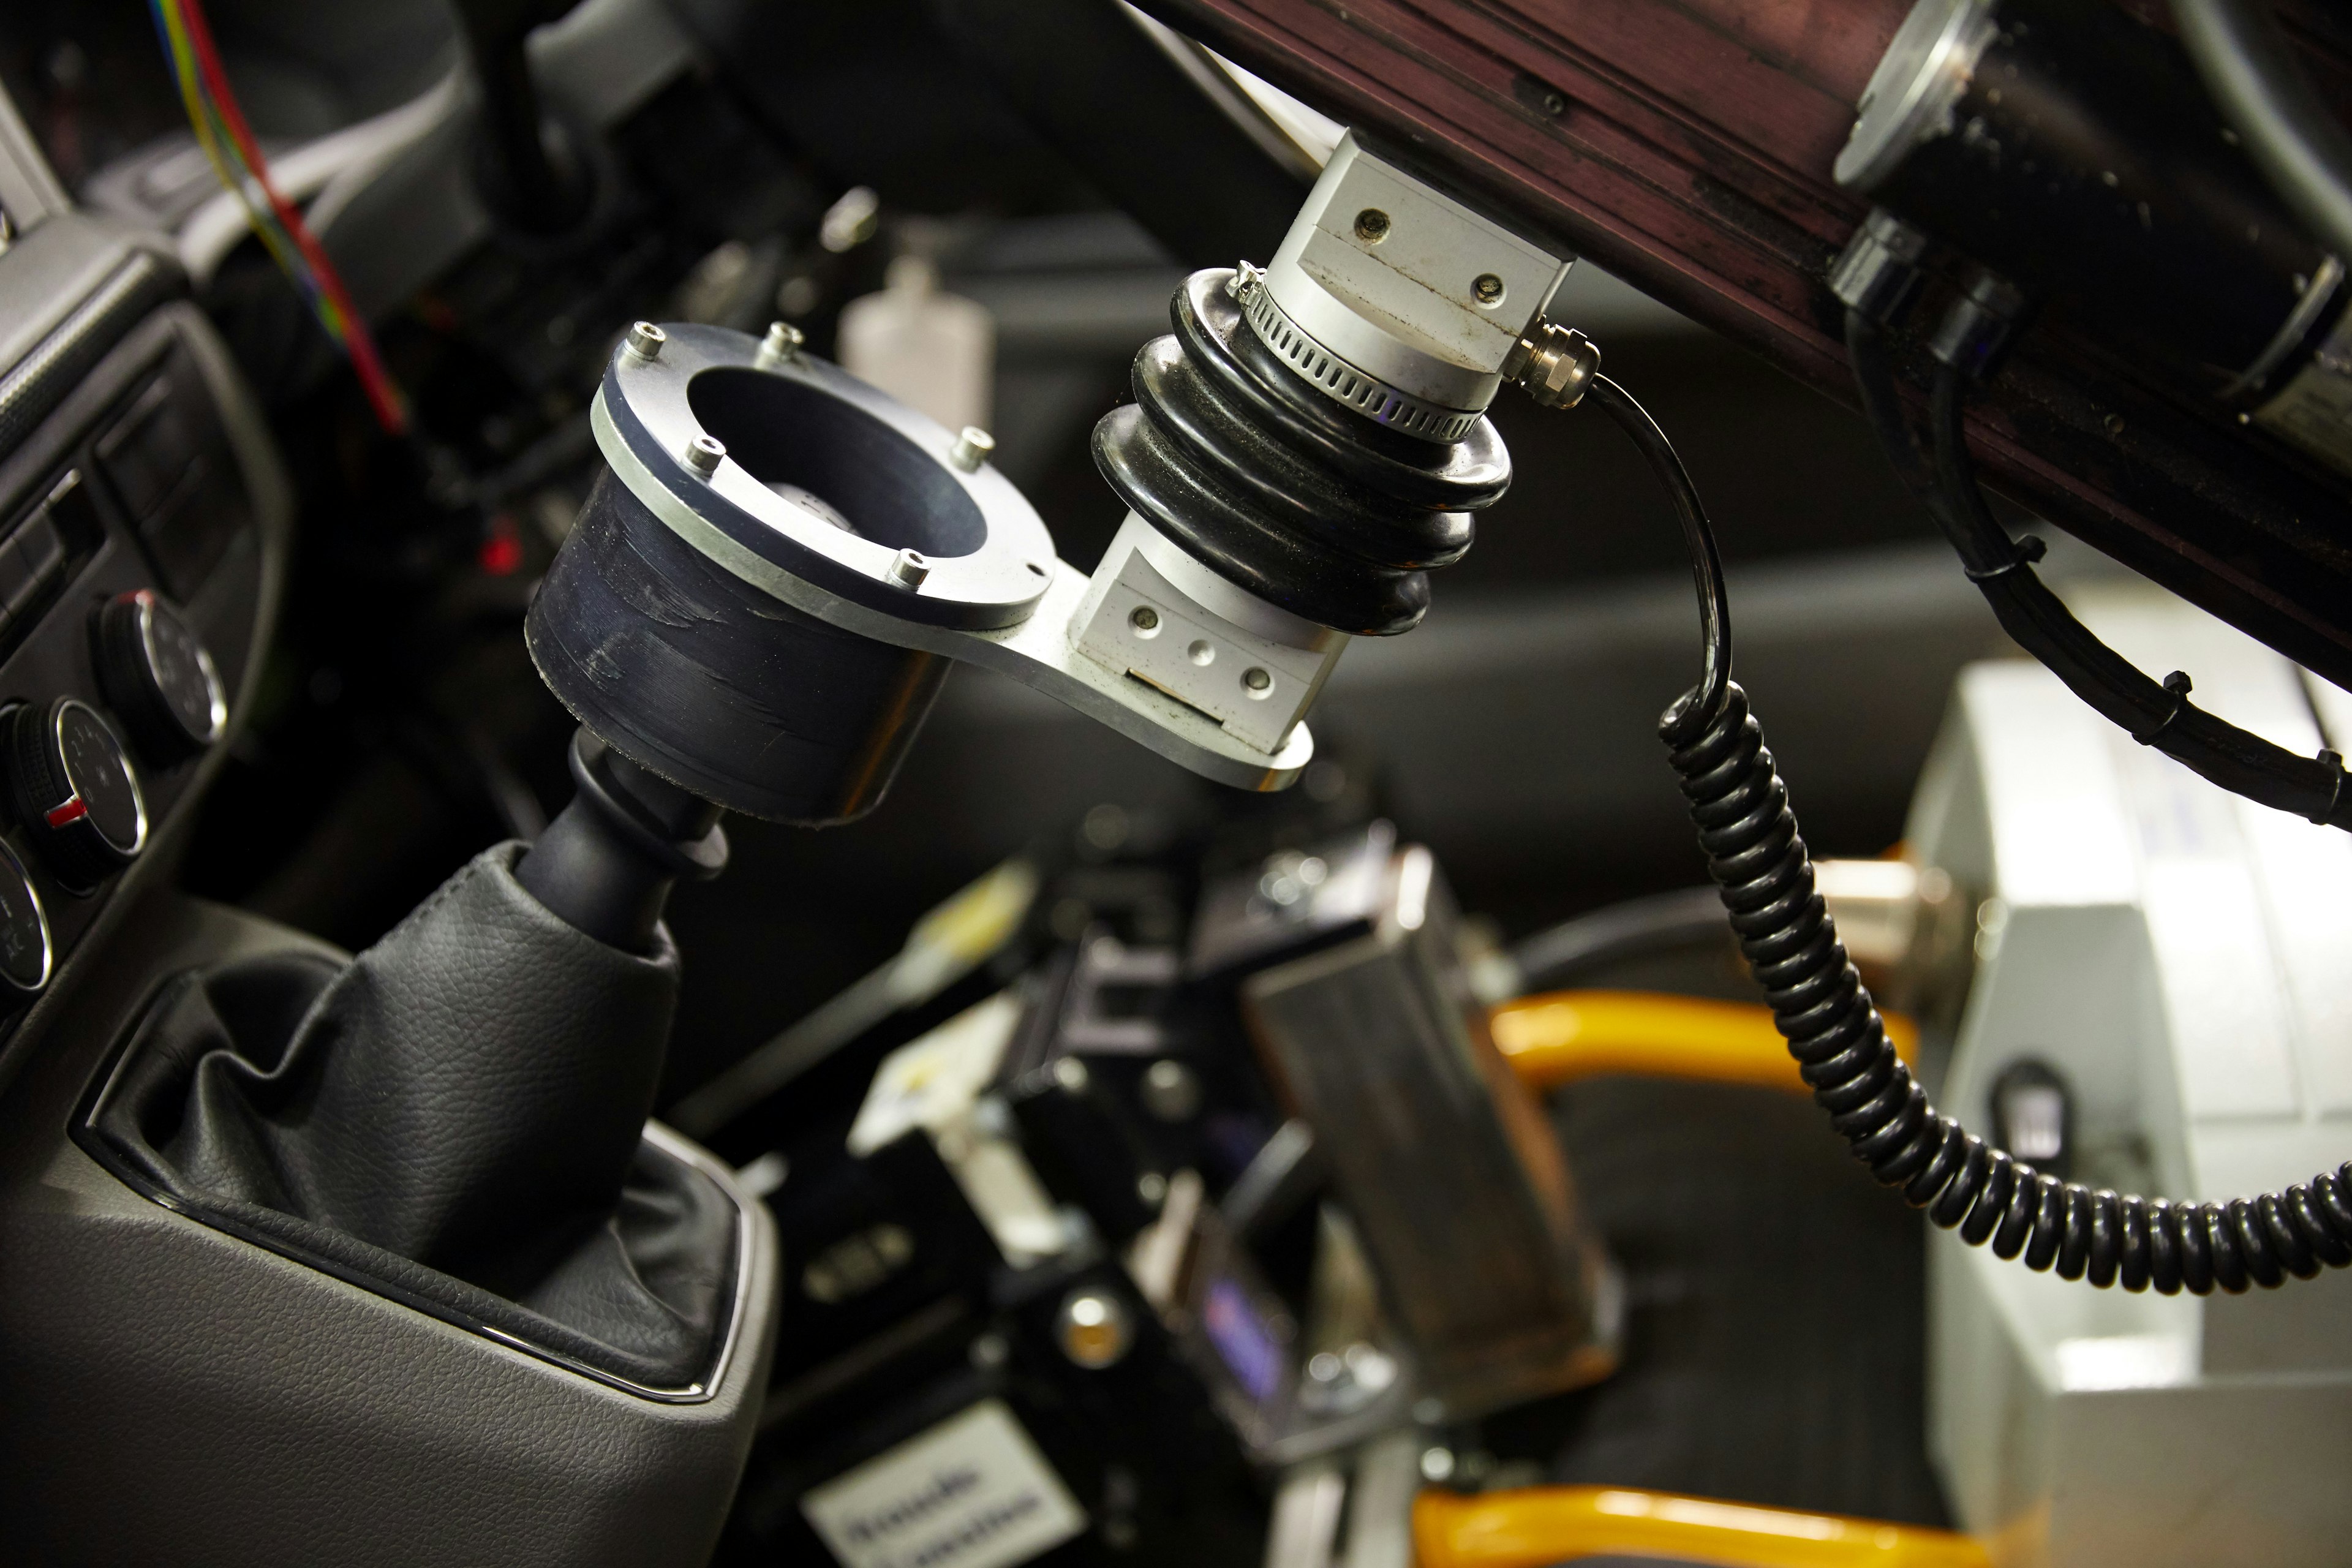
x=1094, y=1327
x=1486, y=289
x=1144, y=618
x=1171, y=1091
x=781, y=344
x=1258, y=679
x=645, y=340
x=704, y=454
x=909, y=568
x=971, y=448
x=1372, y=225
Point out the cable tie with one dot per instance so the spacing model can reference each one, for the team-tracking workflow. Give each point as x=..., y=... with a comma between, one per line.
x=2179, y=685
x=2030, y=548
x=2333, y=761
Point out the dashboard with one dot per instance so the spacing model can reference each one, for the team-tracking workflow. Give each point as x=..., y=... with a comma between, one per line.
x=141, y=520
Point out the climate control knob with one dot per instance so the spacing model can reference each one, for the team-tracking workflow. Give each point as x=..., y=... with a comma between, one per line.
x=26, y=951
x=72, y=786
x=158, y=677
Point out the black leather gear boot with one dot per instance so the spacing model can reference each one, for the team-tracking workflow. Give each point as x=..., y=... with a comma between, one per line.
x=457, y=1113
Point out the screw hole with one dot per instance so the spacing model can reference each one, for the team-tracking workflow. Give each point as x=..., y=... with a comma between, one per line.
x=1371, y=225
x=1201, y=652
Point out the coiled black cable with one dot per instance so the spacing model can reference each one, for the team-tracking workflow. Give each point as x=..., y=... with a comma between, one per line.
x=1758, y=858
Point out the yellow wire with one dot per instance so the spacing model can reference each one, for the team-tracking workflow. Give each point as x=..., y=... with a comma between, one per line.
x=265, y=229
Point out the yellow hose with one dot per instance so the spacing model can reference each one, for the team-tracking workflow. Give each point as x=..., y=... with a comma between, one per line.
x=1556, y=1038
x=1545, y=1525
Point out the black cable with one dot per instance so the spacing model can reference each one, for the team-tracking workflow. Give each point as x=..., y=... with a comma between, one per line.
x=1708, y=696
x=1659, y=922
x=2155, y=713
x=1882, y=404
x=2295, y=140
x=1765, y=877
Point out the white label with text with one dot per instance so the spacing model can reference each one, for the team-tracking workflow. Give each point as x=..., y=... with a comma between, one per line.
x=971, y=1492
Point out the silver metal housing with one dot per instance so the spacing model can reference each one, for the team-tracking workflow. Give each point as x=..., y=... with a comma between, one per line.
x=777, y=545
x=1912, y=93
x=1443, y=1157
x=1398, y=300
x=1154, y=613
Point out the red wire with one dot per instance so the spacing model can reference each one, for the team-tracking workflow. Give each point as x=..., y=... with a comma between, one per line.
x=382, y=396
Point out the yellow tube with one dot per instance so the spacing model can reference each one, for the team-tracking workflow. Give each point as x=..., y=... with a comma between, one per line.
x=1558, y=1037
x=1544, y=1525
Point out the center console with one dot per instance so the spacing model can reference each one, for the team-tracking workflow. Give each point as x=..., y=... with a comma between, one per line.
x=304, y=1264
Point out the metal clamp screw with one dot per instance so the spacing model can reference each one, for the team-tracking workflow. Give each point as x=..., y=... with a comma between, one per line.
x=704, y=454
x=780, y=346
x=973, y=445
x=909, y=568
x=645, y=340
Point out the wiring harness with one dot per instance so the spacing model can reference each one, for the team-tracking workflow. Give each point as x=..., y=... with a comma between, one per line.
x=229, y=145
x=1758, y=858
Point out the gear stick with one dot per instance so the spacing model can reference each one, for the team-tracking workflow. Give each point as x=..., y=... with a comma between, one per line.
x=456, y=1113
x=606, y=864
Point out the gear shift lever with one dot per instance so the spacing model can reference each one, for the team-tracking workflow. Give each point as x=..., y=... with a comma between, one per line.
x=537, y=189
x=467, y=1096
x=606, y=863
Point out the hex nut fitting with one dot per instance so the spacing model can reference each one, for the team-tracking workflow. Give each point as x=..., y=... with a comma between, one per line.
x=1553, y=365
x=704, y=454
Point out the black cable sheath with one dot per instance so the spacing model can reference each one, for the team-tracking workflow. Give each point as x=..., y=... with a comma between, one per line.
x=1765, y=877
x=1708, y=696
x=1553, y=957
x=2295, y=139
x=1882, y=404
